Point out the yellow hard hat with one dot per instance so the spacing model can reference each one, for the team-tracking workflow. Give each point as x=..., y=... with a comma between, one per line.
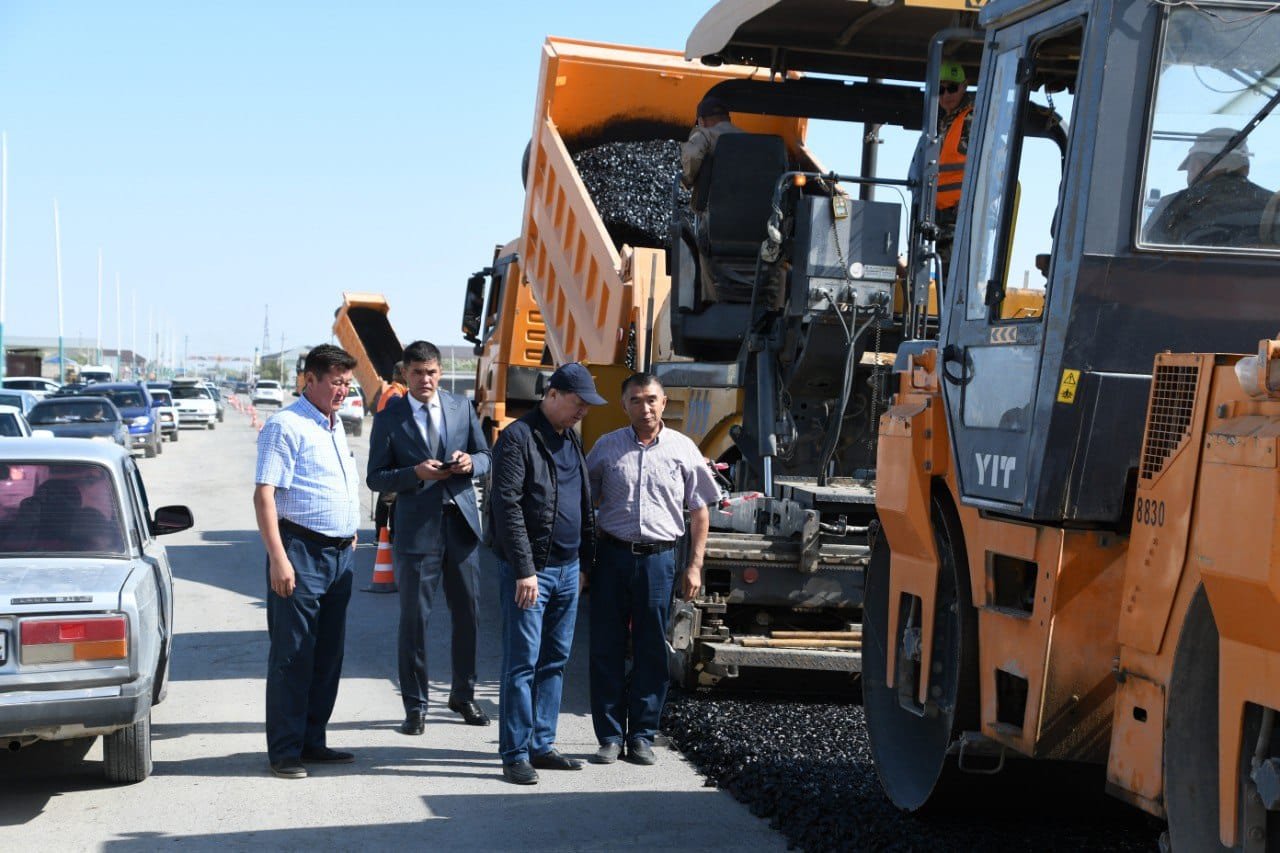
x=951, y=72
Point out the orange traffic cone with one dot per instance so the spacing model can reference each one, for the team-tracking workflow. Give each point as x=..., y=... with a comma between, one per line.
x=384, y=573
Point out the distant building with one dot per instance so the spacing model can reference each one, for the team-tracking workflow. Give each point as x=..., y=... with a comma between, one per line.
x=37, y=356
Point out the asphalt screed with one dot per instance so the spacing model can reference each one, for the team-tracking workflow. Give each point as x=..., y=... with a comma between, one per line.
x=805, y=766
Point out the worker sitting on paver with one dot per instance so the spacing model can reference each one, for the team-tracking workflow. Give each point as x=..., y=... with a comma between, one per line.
x=712, y=122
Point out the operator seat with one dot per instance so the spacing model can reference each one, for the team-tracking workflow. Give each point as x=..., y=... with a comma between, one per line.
x=714, y=258
x=733, y=200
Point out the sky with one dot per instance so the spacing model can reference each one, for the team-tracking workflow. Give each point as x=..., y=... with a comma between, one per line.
x=233, y=156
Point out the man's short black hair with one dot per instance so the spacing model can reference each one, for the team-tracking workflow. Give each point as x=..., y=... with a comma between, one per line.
x=325, y=358
x=421, y=351
x=643, y=379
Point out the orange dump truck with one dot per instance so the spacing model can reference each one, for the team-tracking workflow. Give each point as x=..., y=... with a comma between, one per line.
x=362, y=328
x=592, y=300
x=504, y=323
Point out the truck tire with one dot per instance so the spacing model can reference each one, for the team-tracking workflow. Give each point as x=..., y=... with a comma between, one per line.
x=126, y=753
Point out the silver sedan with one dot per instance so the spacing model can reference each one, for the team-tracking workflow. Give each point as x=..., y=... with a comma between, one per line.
x=86, y=599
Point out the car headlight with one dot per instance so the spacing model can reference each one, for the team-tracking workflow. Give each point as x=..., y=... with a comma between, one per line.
x=140, y=421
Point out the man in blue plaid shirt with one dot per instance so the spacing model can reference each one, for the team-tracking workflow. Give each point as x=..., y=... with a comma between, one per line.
x=307, y=505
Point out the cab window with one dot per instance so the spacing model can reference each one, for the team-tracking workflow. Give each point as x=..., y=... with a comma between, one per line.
x=1213, y=146
x=1019, y=180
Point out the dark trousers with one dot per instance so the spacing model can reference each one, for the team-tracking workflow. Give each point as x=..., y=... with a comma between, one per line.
x=307, y=632
x=455, y=561
x=630, y=597
x=535, y=650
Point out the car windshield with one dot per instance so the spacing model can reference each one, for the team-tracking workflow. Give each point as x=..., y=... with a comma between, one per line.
x=189, y=392
x=70, y=412
x=59, y=507
x=9, y=425
x=25, y=384
x=14, y=400
x=126, y=399
x=162, y=397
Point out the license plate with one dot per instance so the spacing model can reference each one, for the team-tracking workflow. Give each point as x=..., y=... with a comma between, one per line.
x=4, y=647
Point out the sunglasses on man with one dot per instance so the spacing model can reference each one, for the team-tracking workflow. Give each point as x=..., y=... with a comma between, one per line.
x=949, y=88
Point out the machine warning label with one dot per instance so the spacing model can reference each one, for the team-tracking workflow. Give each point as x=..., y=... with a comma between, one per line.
x=1068, y=387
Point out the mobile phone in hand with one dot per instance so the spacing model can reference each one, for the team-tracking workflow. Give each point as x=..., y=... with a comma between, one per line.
x=452, y=463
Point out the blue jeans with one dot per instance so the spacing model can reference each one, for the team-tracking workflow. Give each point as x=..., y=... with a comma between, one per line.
x=535, y=650
x=307, y=632
x=630, y=597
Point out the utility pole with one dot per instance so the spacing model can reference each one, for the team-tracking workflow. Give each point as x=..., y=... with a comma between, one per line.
x=266, y=329
x=282, y=359
x=186, y=348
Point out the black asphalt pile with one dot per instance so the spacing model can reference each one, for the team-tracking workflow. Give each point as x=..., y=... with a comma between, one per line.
x=630, y=183
x=806, y=768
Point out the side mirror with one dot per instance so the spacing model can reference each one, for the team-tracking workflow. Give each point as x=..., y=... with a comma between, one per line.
x=172, y=519
x=473, y=308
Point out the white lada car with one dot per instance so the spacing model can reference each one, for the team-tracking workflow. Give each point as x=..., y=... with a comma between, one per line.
x=86, y=599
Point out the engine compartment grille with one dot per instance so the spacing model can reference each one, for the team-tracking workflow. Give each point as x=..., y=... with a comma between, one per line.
x=1173, y=399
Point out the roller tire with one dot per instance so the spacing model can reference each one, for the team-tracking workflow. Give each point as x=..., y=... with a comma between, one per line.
x=911, y=752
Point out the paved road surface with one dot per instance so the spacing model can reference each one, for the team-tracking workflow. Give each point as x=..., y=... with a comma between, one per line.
x=211, y=787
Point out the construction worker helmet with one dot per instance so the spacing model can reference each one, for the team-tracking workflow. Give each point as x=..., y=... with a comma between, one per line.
x=951, y=72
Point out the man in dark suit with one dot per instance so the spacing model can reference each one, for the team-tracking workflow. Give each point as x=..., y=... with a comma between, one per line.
x=427, y=447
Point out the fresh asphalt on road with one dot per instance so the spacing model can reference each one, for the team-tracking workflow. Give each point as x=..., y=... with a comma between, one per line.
x=211, y=787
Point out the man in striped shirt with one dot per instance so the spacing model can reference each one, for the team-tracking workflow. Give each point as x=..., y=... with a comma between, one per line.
x=307, y=505
x=644, y=477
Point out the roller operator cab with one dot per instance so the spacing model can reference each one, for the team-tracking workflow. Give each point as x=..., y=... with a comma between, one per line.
x=1056, y=572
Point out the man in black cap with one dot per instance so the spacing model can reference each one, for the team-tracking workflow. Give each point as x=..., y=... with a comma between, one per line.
x=711, y=124
x=542, y=530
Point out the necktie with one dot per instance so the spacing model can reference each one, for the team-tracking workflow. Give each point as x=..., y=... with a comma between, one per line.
x=434, y=444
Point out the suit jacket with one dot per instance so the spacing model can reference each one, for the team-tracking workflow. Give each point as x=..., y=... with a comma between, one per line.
x=396, y=446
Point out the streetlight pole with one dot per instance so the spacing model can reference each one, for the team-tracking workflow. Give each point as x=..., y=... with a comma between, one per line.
x=4, y=237
x=133, y=345
x=57, y=251
x=97, y=352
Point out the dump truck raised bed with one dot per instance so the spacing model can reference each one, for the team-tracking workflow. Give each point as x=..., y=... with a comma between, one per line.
x=363, y=329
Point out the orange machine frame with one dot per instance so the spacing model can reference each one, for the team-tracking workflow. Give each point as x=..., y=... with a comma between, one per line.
x=1097, y=647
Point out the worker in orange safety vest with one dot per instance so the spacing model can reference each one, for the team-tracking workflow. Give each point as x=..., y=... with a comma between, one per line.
x=953, y=126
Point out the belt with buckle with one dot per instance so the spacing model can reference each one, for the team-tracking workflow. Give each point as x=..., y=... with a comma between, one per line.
x=339, y=542
x=639, y=549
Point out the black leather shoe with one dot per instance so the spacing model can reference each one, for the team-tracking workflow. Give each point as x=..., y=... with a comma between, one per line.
x=470, y=712
x=553, y=760
x=607, y=753
x=520, y=773
x=412, y=724
x=325, y=755
x=289, y=768
x=640, y=752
